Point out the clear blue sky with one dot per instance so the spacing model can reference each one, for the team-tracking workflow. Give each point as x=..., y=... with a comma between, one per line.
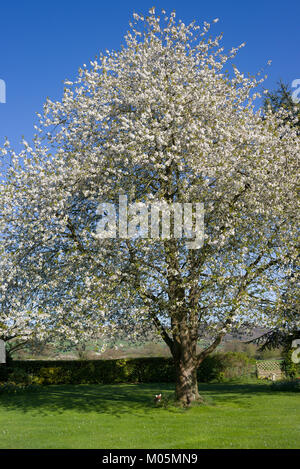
x=44, y=42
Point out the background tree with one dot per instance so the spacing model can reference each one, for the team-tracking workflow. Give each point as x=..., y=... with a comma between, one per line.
x=288, y=331
x=282, y=98
x=159, y=120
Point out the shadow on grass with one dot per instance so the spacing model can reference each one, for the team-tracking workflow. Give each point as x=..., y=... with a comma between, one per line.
x=121, y=399
x=235, y=393
x=111, y=399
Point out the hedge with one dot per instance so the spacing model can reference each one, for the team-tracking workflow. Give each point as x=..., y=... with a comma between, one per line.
x=216, y=367
x=291, y=369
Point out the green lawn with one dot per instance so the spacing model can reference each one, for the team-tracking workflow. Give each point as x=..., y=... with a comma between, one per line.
x=124, y=416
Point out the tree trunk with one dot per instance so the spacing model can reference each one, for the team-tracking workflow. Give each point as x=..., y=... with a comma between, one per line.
x=186, y=389
x=195, y=386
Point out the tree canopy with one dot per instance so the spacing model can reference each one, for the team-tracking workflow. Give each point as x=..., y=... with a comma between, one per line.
x=160, y=120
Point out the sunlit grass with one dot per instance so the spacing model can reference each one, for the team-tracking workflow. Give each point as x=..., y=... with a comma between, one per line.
x=125, y=416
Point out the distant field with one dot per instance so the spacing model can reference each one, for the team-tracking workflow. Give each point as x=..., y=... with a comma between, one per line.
x=124, y=416
x=127, y=350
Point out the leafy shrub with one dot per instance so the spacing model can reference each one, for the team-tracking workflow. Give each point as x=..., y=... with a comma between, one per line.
x=211, y=369
x=291, y=369
x=289, y=386
x=238, y=365
x=216, y=367
x=12, y=388
x=53, y=375
x=19, y=376
x=4, y=372
x=225, y=366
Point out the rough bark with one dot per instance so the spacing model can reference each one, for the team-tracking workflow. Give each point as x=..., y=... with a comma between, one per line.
x=186, y=389
x=186, y=364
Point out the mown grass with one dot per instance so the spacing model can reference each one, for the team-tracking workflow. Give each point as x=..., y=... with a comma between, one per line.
x=125, y=416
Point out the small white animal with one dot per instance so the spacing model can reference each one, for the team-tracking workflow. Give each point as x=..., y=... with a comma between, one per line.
x=157, y=398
